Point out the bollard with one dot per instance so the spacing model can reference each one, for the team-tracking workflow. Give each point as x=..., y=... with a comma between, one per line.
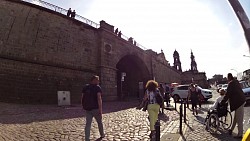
x=185, y=119
x=175, y=105
x=157, y=130
x=180, y=131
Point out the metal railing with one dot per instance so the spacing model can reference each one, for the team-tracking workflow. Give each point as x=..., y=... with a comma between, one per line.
x=62, y=11
x=77, y=17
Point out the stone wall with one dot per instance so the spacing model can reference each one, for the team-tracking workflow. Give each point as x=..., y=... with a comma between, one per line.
x=42, y=52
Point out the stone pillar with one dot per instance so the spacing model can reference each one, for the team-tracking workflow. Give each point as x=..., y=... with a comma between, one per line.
x=106, y=26
x=109, y=83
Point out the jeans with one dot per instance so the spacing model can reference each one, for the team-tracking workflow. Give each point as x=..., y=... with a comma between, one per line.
x=89, y=116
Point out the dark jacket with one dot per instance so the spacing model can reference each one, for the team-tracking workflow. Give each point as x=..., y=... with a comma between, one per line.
x=235, y=95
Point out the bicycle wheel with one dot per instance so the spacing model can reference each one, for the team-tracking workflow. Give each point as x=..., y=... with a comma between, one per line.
x=213, y=123
x=226, y=121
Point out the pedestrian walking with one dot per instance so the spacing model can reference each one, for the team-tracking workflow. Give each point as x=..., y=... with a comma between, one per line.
x=200, y=99
x=237, y=101
x=69, y=12
x=73, y=14
x=153, y=107
x=162, y=91
x=193, y=95
x=92, y=104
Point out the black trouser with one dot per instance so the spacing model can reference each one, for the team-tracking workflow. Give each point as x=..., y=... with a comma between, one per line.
x=199, y=103
x=194, y=104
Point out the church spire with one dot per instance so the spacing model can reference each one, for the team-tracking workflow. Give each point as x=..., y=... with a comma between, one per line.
x=177, y=62
x=193, y=63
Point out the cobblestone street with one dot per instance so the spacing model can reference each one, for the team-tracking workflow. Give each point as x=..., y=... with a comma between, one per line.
x=50, y=122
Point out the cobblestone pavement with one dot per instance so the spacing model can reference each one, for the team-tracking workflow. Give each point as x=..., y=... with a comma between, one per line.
x=195, y=129
x=49, y=122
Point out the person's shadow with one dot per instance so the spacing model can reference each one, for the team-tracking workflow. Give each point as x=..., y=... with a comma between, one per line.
x=99, y=139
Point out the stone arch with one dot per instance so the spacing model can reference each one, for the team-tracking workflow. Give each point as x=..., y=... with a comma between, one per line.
x=136, y=71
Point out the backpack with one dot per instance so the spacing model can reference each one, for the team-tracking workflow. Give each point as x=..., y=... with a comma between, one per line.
x=158, y=97
x=86, y=102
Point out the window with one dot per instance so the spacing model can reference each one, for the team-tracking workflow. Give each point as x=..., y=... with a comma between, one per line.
x=183, y=88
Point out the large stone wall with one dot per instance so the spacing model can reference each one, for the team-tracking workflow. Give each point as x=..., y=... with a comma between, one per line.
x=36, y=43
x=42, y=52
x=34, y=34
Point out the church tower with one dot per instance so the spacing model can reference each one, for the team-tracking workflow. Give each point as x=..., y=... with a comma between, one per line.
x=193, y=63
x=177, y=62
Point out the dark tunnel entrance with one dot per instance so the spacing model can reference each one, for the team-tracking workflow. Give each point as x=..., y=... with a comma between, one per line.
x=131, y=71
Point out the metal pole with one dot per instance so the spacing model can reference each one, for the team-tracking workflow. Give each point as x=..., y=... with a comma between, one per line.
x=121, y=90
x=175, y=104
x=185, y=111
x=180, y=118
x=157, y=129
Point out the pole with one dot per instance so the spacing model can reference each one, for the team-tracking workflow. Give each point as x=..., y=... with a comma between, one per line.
x=180, y=118
x=121, y=90
x=157, y=129
x=175, y=104
x=185, y=120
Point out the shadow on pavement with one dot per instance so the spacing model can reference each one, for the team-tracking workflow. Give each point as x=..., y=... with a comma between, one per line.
x=23, y=113
x=189, y=127
x=163, y=117
x=223, y=135
x=183, y=138
x=200, y=119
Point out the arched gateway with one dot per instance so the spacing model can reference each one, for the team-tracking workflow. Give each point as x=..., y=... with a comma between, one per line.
x=131, y=73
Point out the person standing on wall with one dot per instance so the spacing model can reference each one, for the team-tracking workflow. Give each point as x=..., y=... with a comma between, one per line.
x=237, y=101
x=92, y=104
x=73, y=14
x=69, y=12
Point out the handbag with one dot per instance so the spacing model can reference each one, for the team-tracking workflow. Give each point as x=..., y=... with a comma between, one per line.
x=145, y=105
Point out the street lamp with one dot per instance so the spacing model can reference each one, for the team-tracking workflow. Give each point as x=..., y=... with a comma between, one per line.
x=236, y=72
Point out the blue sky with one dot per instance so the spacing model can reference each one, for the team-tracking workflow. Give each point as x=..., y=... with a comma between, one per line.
x=207, y=27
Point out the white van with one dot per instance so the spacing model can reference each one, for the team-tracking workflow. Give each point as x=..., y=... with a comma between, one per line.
x=181, y=92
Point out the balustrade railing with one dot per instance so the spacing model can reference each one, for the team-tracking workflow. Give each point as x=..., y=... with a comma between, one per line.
x=62, y=11
x=78, y=17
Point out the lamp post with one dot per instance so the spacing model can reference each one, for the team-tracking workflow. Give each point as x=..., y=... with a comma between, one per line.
x=236, y=72
x=246, y=56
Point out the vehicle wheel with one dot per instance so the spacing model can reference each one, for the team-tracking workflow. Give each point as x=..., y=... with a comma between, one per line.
x=226, y=121
x=213, y=123
x=176, y=98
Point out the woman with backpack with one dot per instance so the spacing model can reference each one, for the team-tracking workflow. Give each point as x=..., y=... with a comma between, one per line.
x=153, y=96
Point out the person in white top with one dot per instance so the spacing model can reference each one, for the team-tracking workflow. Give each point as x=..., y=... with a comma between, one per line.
x=218, y=100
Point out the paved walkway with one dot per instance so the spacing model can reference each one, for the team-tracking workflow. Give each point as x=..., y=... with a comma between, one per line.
x=122, y=122
x=49, y=122
x=194, y=130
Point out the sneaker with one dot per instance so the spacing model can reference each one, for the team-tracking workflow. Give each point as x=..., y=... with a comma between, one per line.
x=238, y=137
